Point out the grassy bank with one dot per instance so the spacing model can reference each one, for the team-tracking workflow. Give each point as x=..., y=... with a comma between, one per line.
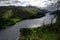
x=4, y=23
x=45, y=32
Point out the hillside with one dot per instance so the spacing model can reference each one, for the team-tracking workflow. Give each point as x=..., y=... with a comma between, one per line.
x=10, y=15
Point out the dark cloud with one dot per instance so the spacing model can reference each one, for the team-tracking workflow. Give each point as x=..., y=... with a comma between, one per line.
x=51, y=7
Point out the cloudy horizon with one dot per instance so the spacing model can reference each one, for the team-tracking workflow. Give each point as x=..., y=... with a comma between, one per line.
x=38, y=3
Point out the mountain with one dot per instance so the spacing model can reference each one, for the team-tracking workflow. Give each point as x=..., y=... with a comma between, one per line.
x=41, y=10
x=20, y=11
x=56, y=12
x=10, y=15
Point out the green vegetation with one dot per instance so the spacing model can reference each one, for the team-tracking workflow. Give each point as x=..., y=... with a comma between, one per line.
x=44, y=32
x=7, y=14
x=26, y=32
x=10, y=15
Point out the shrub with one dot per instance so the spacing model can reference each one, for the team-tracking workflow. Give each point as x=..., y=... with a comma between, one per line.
x=25, y=31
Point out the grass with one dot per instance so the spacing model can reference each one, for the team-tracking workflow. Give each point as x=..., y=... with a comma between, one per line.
x=45, y=32
x=50, y=36
x=15, y=20
x=4, y=23
x=7, y=14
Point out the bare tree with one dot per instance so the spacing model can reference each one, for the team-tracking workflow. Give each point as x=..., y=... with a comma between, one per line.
x=56, y=13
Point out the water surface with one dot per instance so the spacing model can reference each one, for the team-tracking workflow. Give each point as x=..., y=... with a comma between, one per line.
x=11, y=33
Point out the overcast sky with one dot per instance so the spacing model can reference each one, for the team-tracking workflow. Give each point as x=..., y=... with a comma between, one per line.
x=38, y=3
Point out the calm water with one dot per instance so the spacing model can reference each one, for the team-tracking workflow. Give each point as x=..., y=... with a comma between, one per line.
x=12, y=33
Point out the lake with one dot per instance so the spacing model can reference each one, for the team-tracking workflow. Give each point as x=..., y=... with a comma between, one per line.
x=12, y=33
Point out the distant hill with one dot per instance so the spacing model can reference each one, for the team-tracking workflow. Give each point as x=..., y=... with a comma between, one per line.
x=20, y=11
x=56, y=12
x=41, y=10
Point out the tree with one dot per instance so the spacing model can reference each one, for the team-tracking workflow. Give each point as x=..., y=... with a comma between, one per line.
x=56, y=13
